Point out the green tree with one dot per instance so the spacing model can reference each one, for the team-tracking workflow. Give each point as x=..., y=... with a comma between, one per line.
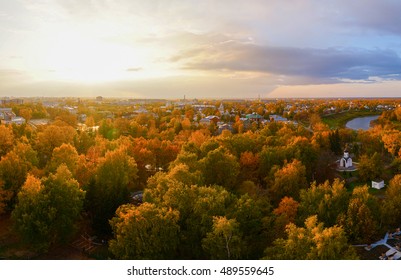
x=144, y=232
x=370, y=168
x=312, y=242
x=325, y=200
x=197, y=207
x=115, y=177
x=47, y=210
x=250, y=213
x=220, y=168
x=5, y=197
x=182, y=174
x=361, y=219
x=335, y=142
x=224, y=241
x=83, y=141
x=391, y=210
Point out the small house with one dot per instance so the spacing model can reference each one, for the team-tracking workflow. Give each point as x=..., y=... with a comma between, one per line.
x=378, y=184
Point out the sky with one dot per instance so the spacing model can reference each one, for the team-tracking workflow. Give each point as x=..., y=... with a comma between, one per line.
x=200, y=49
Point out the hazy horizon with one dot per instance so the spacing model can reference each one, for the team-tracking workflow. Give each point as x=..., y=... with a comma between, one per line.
x=225, y=49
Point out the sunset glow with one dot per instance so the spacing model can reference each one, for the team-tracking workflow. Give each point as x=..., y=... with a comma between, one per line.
x=225, y=49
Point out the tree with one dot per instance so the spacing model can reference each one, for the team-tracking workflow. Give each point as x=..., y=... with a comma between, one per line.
x=288, y=208
x=181, y=173
x=47, y=210
x=5, y=197
x=250, y=213
x=370, y=168
x=335, y=142
x=249, y=163
x=392, y=141
x=224, y=241
x=65, y=154
x=51, y=137
x=26, y=113
x=115, y=176
x=361, y=219
x=284, y=214
x=6, y=139
x=13, y=172
x=312, y=242
x=144, y=232
x=220, y=168
x=288, y=181
x=300, y=148
x=391, y=210
x=83, y=141
x=325, y=200
x=197, y=207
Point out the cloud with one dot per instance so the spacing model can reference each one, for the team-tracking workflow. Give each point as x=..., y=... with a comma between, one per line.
x=381, y=16
x=136, y=69
x=346, y=90
x=326, y=65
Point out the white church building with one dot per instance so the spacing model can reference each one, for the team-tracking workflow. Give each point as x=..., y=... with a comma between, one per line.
x=346, y=160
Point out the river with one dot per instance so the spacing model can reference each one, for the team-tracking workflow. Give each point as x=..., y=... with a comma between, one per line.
x=361, y=122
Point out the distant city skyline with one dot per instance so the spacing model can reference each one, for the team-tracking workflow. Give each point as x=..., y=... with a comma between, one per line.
x=208, y=49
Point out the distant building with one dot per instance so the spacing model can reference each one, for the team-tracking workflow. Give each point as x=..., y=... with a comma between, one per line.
x=7, y=100
x=201, y=107
x=225, y=126
x=82, y=118
x=72, y=110
x=99, y=99
x=277, y=118
x=16, y=120
x=254, y=117
x=6, y=114
x=208, y=120
x=204, y=121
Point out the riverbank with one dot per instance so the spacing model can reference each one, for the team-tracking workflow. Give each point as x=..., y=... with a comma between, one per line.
x=340, y=120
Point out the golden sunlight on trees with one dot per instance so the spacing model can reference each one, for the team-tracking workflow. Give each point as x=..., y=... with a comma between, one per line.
x=47, y=209
x=6, y=139
x=392, y=141
x=66, y=154
x=284, y=214
x=287, y=208
x=312, y=242
x=325, y=200
x=13, y=172
x=370, y=168
x=224, y=241
x=52, y=137
x=287, y=181
x=26, y=113
x=391, y=210
x=145, y=232
x=157, y=184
